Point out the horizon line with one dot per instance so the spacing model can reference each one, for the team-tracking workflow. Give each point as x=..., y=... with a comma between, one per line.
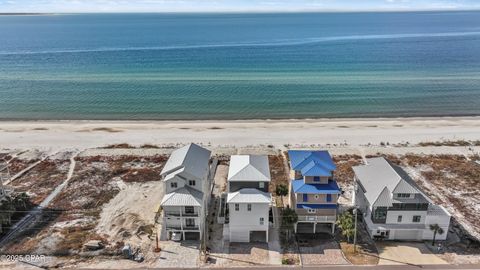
x=245, y=11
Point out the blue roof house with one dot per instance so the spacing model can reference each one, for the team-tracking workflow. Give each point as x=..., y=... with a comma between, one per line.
x=313, y=191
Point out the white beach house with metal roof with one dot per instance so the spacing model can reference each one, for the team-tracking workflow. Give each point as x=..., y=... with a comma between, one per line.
x=393, y=206
x=248, y=198
x=186, y=178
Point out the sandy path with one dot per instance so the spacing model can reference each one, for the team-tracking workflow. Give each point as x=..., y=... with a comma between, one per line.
x=88, y=134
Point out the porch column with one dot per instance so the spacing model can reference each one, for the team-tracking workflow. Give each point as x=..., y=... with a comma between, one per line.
x=333, y=228
x=314, y=227
x=295, y=227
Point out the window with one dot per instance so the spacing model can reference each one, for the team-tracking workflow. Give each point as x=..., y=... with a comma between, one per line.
x=191, y=182
x=173, y=185
x=311, y=211
x=380, y=213
x=316, y=197
x=189, y=210
x=262, y=220
x=190, y=222
x=403, y=195
x=329, y=197
x=417, y=218
x=237, y=207
x=399, y=218
x=261, y=184
x=316, y=179
x=249, y=207
x=305, y=197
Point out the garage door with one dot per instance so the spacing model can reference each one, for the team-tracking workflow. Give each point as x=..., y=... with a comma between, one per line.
x=407, y=235
x=192, y=236
x=305, y=227
x=239, y=236
x=258, y=236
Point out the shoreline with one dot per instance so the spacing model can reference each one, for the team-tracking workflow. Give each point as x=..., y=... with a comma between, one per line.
x=252, y=120
x=240, y=133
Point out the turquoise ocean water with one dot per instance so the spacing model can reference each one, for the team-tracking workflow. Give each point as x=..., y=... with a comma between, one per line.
x=239, y=66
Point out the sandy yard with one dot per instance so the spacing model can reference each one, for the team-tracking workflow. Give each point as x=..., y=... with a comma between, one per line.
x=130, y=216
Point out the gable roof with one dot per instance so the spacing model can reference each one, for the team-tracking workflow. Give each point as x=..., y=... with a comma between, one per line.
x=192, y=159
x=184, y=196
x=249, y=168
x=380, y=179
x=311, y=163
x=249, y=195
x=299, y=186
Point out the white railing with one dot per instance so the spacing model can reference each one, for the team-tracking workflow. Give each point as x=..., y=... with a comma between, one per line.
x=317, y=218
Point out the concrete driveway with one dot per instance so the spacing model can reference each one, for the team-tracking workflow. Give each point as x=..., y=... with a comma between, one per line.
x=394, y=253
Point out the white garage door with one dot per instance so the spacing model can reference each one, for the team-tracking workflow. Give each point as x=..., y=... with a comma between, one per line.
x=239, y=236
x=407, y=235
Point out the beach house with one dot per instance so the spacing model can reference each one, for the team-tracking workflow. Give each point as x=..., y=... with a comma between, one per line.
x=187, y=184
x=393, y=206
x=248, y=198
x=313, y=191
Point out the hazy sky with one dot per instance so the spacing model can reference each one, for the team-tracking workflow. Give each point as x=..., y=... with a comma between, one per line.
x=228, y=5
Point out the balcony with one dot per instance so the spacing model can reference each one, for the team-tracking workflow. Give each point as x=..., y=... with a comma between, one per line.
x=318, y=218
x=179, y=228
x=178, y=214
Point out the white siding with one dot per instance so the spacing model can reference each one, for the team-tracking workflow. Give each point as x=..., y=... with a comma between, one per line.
x=407, y=217
x=243, y=221
x=180, y=183
x=442, y=220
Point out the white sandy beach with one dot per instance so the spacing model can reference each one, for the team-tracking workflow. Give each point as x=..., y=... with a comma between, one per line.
x=55, y=135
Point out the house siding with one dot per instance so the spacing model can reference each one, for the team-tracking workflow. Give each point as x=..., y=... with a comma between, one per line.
x=407, y=217
x=237, y=185
x=316, y=199
x=242, y=222
x=311, y=180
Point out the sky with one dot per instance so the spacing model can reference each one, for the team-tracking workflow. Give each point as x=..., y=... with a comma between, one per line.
x=53, y=6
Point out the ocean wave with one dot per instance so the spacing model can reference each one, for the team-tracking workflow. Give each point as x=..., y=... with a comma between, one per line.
x=282, y=42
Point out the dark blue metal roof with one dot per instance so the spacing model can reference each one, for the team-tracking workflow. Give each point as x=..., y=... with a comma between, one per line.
x=311, y=163
x=299, y=186
x=316, y=206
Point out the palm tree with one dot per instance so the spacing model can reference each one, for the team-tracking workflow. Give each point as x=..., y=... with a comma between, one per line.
x=289, y=217
x=436, y=229
x=282, y=190
x=346, y=223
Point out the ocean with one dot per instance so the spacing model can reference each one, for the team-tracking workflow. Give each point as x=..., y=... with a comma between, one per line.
x=239, y=66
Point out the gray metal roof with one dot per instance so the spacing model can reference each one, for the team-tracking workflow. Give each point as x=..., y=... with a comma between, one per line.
x=249, y=168
x=249, y=195
x=185, y=196
x=380, y=179
x=192, y=158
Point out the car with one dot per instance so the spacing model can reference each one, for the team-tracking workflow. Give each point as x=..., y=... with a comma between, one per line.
x=176, y=236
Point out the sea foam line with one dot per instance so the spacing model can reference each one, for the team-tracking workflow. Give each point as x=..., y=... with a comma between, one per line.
x=283, y=42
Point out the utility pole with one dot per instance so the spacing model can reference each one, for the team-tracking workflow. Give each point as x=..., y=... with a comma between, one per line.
x=355, y=211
